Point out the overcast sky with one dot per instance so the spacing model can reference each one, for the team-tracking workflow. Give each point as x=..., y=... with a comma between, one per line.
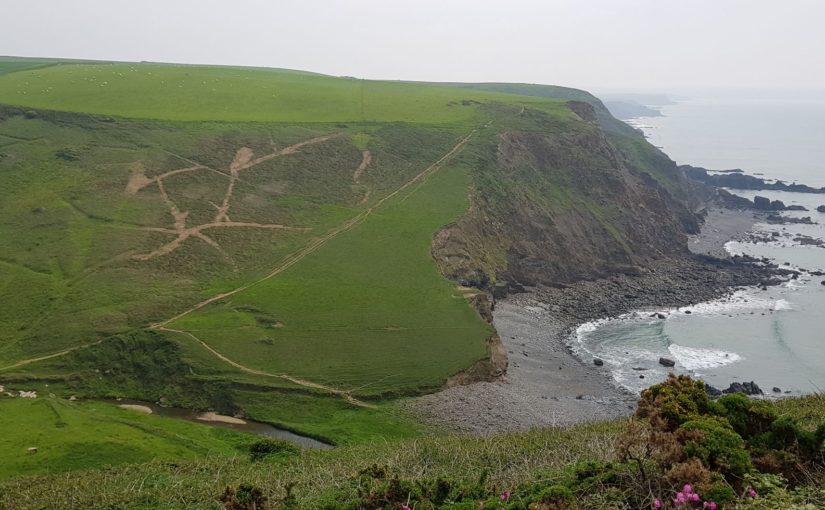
x=596, y=44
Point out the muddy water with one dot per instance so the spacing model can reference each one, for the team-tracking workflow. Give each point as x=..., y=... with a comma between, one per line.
x=248, y=426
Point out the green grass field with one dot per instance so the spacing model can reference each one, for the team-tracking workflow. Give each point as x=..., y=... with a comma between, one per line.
x=80, y=435
x=200, y=93
x=367, y=312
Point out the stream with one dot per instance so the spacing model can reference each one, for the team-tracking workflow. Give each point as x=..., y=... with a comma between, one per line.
x=225, y=422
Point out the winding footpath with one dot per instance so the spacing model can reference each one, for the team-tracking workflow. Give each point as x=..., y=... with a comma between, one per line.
x=242, y=162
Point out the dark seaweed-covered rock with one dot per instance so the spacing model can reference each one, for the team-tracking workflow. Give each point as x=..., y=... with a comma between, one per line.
x=748, y=388
x=821, y=208
x=762, y=203
x=666, y=362
x=711, y=391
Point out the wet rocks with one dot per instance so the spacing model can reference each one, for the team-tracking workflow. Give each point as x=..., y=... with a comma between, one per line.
x=777, y=389
x=762, y=203
x=765, y=204
x=821, y=208
x=667, y=362
x=809, y=241
x=785, y=220
x=598, y=362
x=739, y=180
x=711, y=391
x=796, y=208
x=748, y=388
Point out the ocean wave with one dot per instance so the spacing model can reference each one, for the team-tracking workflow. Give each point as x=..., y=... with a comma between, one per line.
x=694, y=358
x=782, y=304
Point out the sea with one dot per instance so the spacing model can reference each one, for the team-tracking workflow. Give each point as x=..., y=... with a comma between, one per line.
x=774, y=337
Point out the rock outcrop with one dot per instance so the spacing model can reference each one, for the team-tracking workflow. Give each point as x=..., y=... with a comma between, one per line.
x=737, y=179
x=748, y=388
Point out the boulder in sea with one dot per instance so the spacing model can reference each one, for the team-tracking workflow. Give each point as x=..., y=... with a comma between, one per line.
x=822, y=282
x=796, y=208
x=821, y=208
x=762, y=203
x=748, y=388
x=661, y=316
x=777, y=389
x=666, y=362
x=598, y=362
x=778, y=205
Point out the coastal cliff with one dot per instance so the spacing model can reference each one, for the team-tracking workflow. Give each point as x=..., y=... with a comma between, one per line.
x=553, y=205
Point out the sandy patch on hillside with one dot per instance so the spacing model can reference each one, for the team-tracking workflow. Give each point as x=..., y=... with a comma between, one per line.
x=137, y=408
x=220, y=418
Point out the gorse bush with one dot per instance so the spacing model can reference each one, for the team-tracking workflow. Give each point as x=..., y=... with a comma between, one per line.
x=714, y=442
x=730, y=436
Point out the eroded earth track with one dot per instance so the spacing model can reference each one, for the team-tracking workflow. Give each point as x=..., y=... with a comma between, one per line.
x=243, y=161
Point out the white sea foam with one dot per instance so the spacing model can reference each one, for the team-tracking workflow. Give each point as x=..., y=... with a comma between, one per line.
x=693, y=358
x=782, y=304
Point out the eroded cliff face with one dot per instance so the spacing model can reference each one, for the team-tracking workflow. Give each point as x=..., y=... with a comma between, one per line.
x=554, y=205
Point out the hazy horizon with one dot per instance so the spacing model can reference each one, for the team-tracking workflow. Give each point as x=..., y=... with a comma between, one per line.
x=600, y=45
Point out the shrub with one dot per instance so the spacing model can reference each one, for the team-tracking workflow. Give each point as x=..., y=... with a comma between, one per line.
x=245, y=497
x=554, y=497
x=749, y=418
x=720, y=493
x=676, y=401
x=717, y=445
x=67, y=154
x=268, y=447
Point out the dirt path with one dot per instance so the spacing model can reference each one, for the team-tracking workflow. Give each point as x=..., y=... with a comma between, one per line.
x=64, y=352
x=296, y=257
x=319, y=242
x=243, y=160
x=366, y=159
x=300, y=382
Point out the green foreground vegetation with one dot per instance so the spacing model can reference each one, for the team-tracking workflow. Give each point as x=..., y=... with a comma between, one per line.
x=79, y=435
x=588, y=466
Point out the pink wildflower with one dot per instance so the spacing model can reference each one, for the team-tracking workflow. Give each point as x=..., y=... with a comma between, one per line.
x=505, y=496
x=694, y=497
x=406, y=507
x=657, y=503
x=711, y=506
x=687, y=489
x=751, y=492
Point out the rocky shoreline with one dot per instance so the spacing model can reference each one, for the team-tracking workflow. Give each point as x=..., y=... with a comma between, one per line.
x=546, y=384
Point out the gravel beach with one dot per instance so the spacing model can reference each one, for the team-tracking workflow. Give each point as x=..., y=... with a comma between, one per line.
x=545, y=384
x=721, y=226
